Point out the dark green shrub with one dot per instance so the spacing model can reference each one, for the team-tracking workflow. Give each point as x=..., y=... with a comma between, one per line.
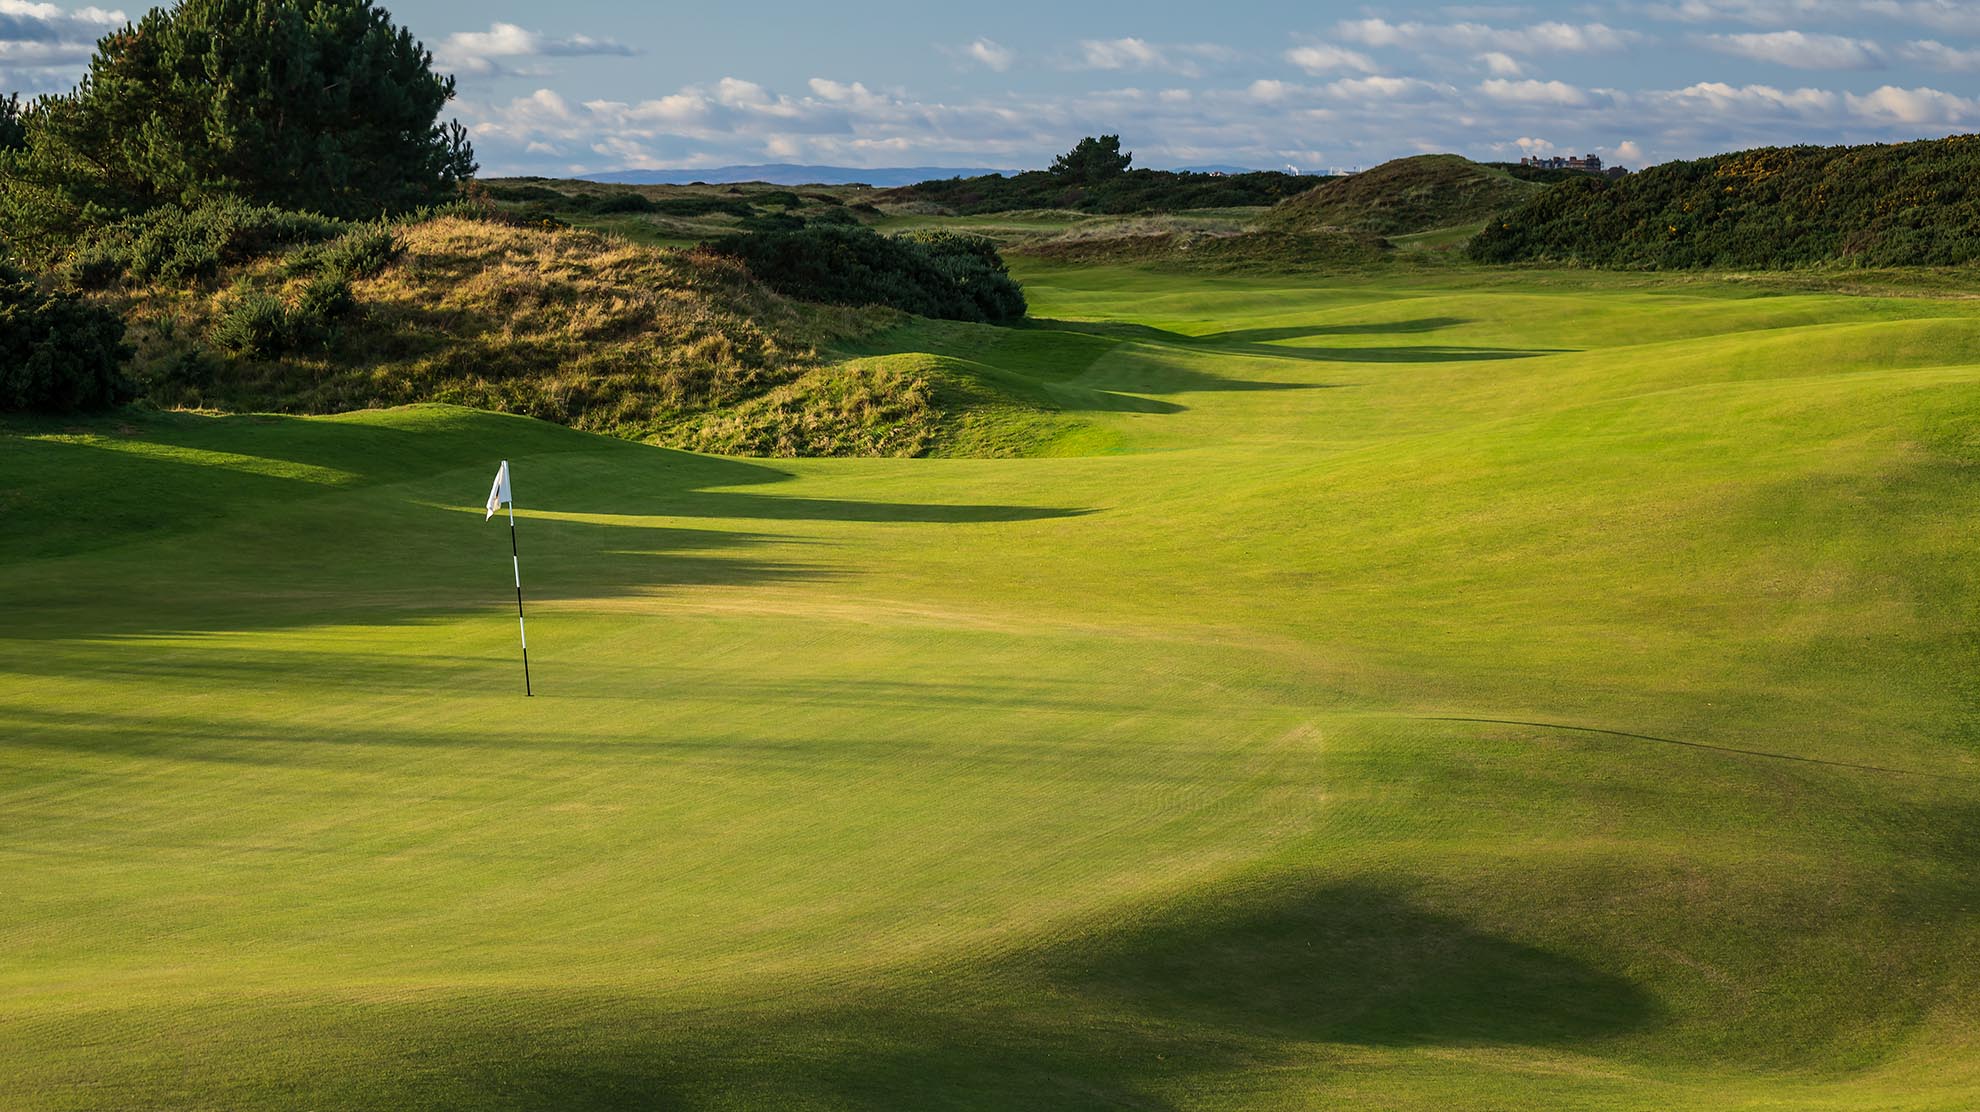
x=360, y=253
x=773, y=222
x=972, y=263
x=526, y=193
x=947, y=276
x=326, y=300
x=621, y=202
x=254, y=323
x=58, y=352
x=701, y=204
x=173, y=244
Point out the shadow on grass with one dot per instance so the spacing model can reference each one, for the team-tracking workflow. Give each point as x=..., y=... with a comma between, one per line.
x=1264, y=342
x=200, y=523
x=1131, y=1014
x=1301, y=331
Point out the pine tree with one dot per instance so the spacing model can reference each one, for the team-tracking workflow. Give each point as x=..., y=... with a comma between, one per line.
x=1093, y=161
x=316, y=105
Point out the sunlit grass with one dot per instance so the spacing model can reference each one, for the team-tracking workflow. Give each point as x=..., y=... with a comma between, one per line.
x=1418, y=691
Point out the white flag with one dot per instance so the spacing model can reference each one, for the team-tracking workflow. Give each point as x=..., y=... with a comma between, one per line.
x=499, y=493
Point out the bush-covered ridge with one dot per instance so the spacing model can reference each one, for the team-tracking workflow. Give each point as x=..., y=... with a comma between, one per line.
x=932, y=274
x=1904, y=204
x=1130, y=191
x=1405, y=195
x=562, y=324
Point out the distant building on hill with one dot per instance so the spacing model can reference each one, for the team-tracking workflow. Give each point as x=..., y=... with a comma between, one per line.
x=1587, y=164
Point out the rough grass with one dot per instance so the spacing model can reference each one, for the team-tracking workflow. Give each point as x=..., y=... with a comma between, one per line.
x=1527, y=690
x=581, y=328
x=566, y=325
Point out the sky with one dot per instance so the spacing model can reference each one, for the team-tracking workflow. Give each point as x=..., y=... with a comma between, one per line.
x=585, y=85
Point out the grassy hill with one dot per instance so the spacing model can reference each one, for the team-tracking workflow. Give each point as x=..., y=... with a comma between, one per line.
x=1447, y=691
x=585, y=329
x=1900, y=204
x=1404, y=196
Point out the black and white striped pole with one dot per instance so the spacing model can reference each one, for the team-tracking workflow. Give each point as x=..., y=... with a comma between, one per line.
x=499, y=496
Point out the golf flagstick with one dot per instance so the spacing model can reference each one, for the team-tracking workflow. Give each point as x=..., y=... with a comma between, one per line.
x=498, y=495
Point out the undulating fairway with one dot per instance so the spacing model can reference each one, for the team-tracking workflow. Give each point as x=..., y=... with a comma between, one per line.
x=1423, y=691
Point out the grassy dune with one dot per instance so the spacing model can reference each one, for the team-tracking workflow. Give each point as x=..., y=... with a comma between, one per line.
x=1422, y=692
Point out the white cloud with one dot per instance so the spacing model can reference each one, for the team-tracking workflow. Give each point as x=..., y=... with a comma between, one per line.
x=1386, y=88
x=1500, y=64
x=44, y=47
x=1320, y=58
x=493, y=52
x=22, y=21
x=1533, y=92
x=1140, y=54
x=1716, y=98
x=1552, y=37
x=1943, y=15
x=1114, y=54
x=991, y=55
x=1937, y=55
x=1800, y=49
x=1356, y=119
x=1268, y=91
x=734, y=92
x=839, y=93
x=1917, y=107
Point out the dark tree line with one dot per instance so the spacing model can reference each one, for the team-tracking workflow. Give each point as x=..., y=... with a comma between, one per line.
x=1097, y=176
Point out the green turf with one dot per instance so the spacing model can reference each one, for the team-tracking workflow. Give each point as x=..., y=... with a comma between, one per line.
x=1434, y=691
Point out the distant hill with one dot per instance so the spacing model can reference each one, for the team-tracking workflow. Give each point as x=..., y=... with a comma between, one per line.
x=784, y=173
x=1900, y=204
x=1407, y=195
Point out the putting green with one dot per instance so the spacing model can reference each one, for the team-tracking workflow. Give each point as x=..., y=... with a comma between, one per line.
x=1441, y=691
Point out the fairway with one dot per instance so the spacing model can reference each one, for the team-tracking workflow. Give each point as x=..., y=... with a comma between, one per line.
x=1423, y=690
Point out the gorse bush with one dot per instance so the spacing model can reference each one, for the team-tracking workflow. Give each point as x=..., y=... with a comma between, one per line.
x=58, y=352
x=944, y=275
x=174, y=244
x=259, y=324
x=359, y=253
x=327, y=299
x=1904, y=204
x=973, y=264
x=253, y=322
